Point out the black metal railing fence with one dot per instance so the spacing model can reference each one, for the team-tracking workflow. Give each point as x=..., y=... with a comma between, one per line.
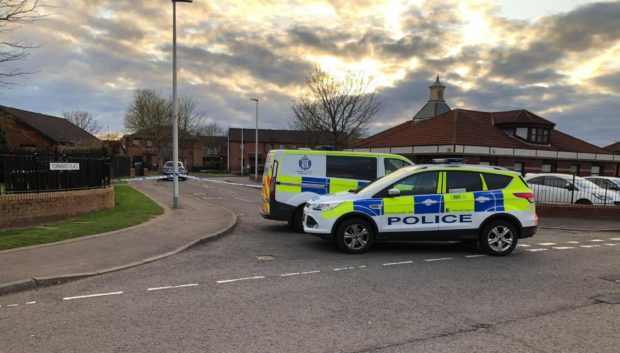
x=25, y=171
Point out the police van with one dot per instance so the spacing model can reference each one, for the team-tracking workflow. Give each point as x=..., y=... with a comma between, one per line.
x=492, y=206
x=292, y=177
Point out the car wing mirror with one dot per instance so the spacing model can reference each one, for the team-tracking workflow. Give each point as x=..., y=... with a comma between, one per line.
x=394, y=192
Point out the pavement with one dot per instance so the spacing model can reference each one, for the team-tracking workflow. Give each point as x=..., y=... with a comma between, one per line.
x=196, y=221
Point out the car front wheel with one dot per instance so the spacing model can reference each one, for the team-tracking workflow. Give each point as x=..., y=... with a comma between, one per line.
x=498, y=238
x=354, y=236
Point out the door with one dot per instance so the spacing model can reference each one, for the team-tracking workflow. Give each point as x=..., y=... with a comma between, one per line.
x=462, y=193
x=418, y=206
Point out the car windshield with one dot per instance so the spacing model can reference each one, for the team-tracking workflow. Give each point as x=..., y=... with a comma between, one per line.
x=171, y=164
x=381, y=183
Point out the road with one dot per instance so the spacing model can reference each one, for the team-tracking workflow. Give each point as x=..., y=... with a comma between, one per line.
x=264, y=288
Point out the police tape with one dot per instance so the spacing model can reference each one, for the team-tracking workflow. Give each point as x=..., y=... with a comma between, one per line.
x=169, y=176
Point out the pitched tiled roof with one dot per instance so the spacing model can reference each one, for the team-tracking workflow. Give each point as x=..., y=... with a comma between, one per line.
x=59, y=130
x=517, y=117
x=431, y=109
x=471, y=128
x=282, y=136
x=614, y=147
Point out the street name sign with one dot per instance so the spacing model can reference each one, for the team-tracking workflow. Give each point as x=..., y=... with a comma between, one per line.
x=64, y=166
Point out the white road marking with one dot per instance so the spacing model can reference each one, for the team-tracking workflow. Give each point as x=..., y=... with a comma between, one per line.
x=170, y=287
x=439, y=259
x=572, y=242
x=345, y=268
x=479, y=255
x=547, y=244
x=30, y=303
x=590, y=246
x=397, y=263
x=563, y=247
x=289, y=274
x=316, y=271
x=92, y=295
x=240, y=279
x=11, y=305
x=535, y=250
x=614, y=238
x=611, y=244
x=524, y=245
x=597, y=240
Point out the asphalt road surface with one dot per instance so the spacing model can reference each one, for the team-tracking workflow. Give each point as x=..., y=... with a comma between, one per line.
x=264, y=288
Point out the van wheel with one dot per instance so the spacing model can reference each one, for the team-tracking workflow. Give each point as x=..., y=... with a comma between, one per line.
x=296, y=222
x=354, y=236
x=498, y=238
x=583, y=202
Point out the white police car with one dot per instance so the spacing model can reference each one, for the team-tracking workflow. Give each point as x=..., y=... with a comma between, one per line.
x=491, y=205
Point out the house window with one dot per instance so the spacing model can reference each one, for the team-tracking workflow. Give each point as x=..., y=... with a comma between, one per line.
x=136, y=142
x=27, y=148
x=539, y=135
x=548, y=168
x=281, y=147
x=574, y=169
x=521, y=132
x=596, y=170
x=518, y=167
x=149, y=143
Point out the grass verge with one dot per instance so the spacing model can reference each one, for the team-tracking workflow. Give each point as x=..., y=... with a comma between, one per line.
x=131, y=208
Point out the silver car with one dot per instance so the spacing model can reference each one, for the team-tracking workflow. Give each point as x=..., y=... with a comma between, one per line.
x=168, y=170
x=566, y=188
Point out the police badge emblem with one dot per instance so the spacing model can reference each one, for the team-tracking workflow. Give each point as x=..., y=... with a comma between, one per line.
x=305, y=163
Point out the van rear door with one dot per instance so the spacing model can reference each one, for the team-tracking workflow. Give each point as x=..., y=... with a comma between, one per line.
x=269, y=181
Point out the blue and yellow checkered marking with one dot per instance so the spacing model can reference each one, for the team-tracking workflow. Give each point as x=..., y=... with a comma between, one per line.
x=423, y=206
x=371, y=207
x=488, y=201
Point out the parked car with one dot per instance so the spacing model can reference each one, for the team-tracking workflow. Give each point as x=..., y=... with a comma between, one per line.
x=294, y=177
x=489, y=205
x=609, y=183
x=168, y=170
x=566, y=188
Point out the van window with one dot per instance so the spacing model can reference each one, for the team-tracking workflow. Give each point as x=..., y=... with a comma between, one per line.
x=462, y=181
x=360, y=168
x=392, y=165
x=496, y=181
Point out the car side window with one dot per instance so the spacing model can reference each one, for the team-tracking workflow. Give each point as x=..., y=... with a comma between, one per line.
x=555, y=182
x=462, y=181
x=392, y=165
x=496, y=181
x=536, y=181
x=417, y=184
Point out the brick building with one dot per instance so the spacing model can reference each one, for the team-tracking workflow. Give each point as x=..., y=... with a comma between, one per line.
x=517, y=139
x=25, y=130
x=269, y=140
x=613, y=148
x=144, y=148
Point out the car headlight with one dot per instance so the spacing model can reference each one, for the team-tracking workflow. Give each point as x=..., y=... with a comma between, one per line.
x=325, y=206
x=602, y=197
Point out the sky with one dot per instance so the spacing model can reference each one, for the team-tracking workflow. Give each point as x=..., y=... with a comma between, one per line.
x=556, y=58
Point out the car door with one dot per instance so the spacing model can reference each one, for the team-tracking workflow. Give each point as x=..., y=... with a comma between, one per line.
x=557, y=190
x=460, y=200
x=416, y=208
x=537, y=185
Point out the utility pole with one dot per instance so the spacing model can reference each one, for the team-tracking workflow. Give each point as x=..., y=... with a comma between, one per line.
x=256, y=143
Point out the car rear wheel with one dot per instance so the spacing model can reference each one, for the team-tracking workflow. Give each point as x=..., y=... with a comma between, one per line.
x=354, y=236
x=498, y=238
x=583, y=202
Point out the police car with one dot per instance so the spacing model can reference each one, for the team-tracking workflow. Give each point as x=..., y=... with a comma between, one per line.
x=490, y=205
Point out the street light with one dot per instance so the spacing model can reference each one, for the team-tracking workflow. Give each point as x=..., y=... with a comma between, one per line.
x=256, y=143
x=175, y=118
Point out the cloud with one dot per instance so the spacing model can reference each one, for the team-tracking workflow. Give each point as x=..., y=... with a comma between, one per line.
x=93, y=54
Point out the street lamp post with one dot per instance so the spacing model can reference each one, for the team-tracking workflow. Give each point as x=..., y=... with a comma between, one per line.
x=256, y=143
x=175, y=118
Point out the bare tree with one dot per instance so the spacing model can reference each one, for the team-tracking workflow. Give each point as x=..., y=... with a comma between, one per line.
x=211, y=129
x=191, y=121
x=344, y=108
x=150, y=116
x=14, y=13
x=83, y=120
